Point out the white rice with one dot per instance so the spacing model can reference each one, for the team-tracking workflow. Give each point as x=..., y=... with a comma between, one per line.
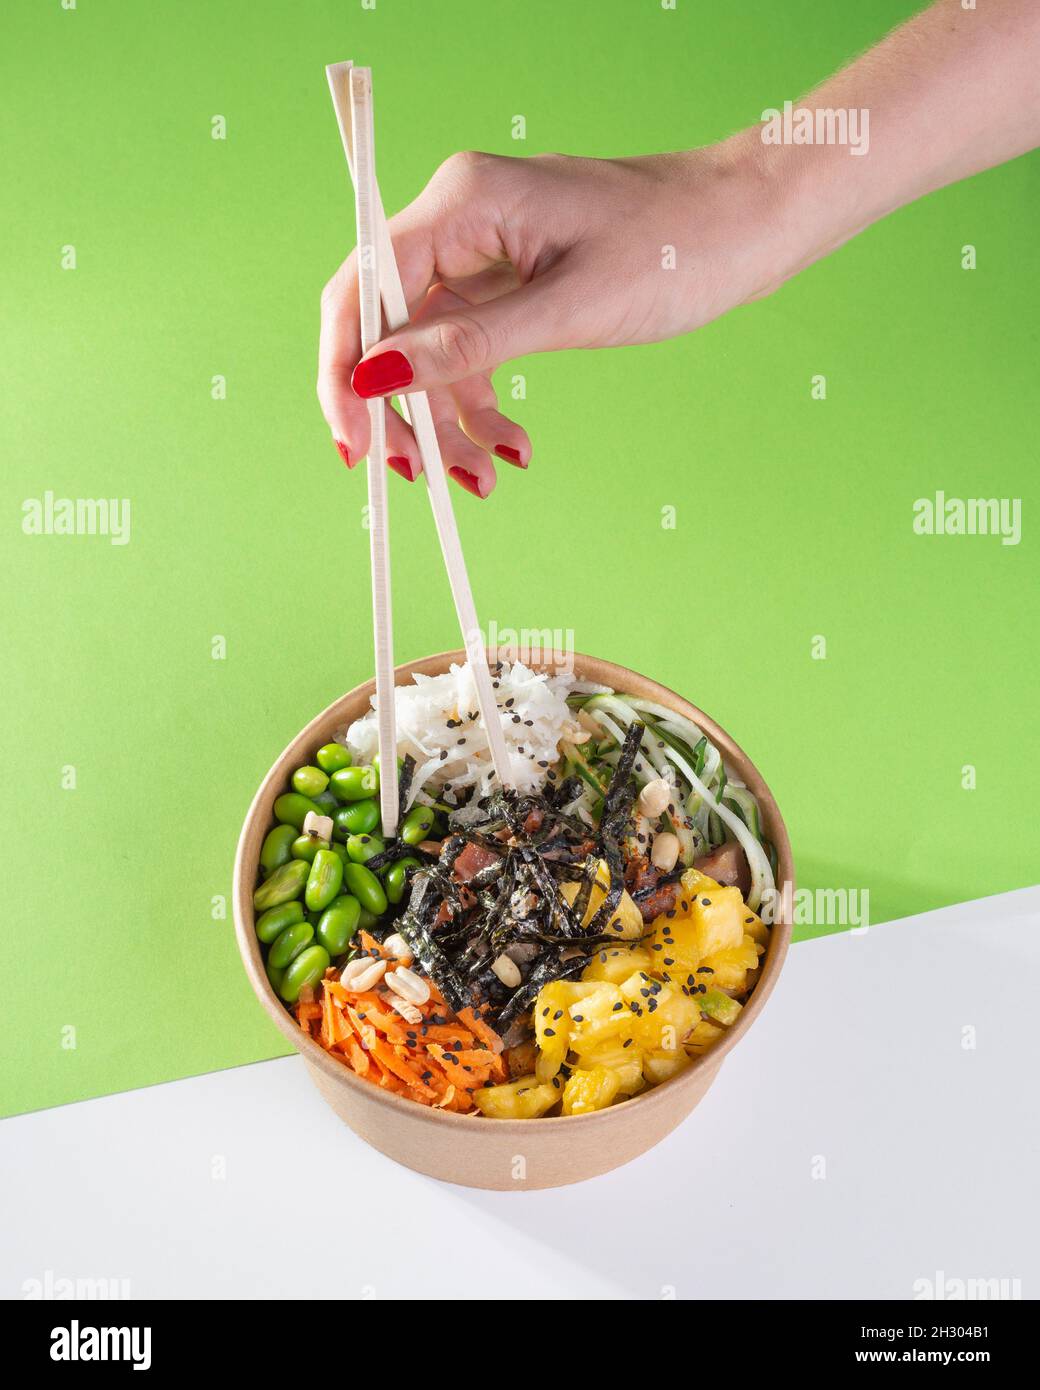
x=532, y=710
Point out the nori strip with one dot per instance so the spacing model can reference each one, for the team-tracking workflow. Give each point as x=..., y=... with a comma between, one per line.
x=404, y=782
x=451, y=848
x=434, y=962
x=617, y=807
x=620, y=794
x=558, y=906
x=397, y=849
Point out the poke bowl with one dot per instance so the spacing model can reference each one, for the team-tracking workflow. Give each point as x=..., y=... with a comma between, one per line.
x=616, y=931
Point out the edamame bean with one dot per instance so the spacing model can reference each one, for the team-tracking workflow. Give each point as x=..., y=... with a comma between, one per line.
x=395, y=879
x=289, y=945
x=367, y=920
x=327, y=802
x=362, y=848
x=291, y=809
x=338, y=924
x=338, y=848
x=332, y=757
x=285, y=883
x=275, y=976
x=366, y=888
x=416, y=825
x=376, y=762
x=307, y=969
x=271, y=924
x=354, y=783
x=307, y=846
x=277, y=848
x=310, y=781
x=325, y=879
x=361, y=818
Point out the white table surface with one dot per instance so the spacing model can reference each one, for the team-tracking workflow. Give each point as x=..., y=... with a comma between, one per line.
x=244, y=1184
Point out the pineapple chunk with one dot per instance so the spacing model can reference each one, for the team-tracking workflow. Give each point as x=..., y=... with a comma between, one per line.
x=665, y=1015
x=693, y=881
x=625, y=1062
x=552, y=1023
x=716, y=920
x=615, y=963
x=595, y=1005
x=627, y=920
x=720, y=1007
x=662, y=1066
x=717, y=917
x=615, y=1029
x=756, y=928
x=729, y=967
x=598, y=1016
x=526, y=1099
x=588, y=1089
x=703, y=1036
x=679, y=953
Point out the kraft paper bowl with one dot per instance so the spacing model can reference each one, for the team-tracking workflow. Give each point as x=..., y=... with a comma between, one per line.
x=502, y=1154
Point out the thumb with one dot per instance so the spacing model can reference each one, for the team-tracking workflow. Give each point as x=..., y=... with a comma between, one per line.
x=450, y=347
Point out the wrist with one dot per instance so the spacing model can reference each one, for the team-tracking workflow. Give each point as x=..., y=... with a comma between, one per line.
x=808, y=200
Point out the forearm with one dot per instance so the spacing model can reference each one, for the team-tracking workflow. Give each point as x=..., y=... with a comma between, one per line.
x=948, y=94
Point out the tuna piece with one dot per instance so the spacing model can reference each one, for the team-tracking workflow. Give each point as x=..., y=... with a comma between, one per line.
x=727, y=864
x=471, y=860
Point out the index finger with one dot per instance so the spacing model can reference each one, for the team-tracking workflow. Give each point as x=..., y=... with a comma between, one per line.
x=339, y=341
x=444, y=232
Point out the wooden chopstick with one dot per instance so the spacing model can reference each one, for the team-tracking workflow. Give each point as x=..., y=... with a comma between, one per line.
x=417, y=410
x=378, y=521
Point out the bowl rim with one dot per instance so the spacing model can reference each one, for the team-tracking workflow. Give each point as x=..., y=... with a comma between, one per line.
x=667, y=1092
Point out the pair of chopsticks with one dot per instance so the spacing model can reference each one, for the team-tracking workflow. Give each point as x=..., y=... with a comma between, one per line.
x=381, y=291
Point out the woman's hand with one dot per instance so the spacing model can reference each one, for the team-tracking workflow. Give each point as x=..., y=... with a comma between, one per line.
x=501, y=257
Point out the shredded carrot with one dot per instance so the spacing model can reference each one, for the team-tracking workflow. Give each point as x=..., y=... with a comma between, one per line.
x=480, y=1029
x=435, y=1063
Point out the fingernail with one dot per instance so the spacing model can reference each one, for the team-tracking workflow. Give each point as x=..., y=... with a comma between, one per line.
x=510, y=455
x=402, y=464
x=467, y=480
x=344, y=453
x=382, y=375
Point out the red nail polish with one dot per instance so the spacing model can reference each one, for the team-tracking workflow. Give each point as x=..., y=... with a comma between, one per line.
x=510, y=455
x=344, y=453
x=382, y=375
x=400, y=463
x=467, y=480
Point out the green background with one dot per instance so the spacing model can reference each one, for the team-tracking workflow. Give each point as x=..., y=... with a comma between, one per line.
x=199, y=257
